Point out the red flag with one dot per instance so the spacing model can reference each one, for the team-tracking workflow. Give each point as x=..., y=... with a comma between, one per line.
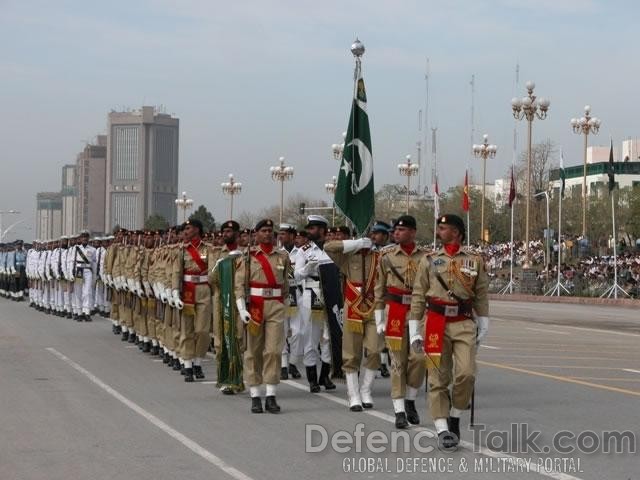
x=512, y=189
x=465, y=193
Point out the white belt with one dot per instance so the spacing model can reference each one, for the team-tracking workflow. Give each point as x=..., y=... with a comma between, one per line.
x=311, y=284
x=195, y=278
x=266, y=292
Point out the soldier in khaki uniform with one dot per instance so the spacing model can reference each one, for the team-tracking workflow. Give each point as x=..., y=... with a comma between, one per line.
x=396, y=274
x=191, y=282
x=144, y=293
x=172, y=309
x=110, y=275
x=358, y=262
x=262, y=275
x=230, y=236
x=452, y=286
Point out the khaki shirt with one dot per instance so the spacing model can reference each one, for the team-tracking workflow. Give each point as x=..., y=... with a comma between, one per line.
x=213, y=255
x=184, y=263
x=464, y=274
x=248, y=265
x=406, y=265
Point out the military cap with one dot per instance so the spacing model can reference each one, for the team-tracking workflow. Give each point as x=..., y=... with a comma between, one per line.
x=287, y=227
x=380, y=226
x=453, y=220
x=263, y=223
x=195, y=223
x=302, y=233
x=316, y=220
x=406, y=221
x=246, y=230
x=232, y=224
x=344, y=229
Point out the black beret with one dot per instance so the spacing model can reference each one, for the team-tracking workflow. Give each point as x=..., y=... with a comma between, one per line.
x=232, y=224
x=263, y=223
x=246, y=230
x=381, y=226
x=453, y=220
x=405, y=221
x=194, y=223
x=344, y=229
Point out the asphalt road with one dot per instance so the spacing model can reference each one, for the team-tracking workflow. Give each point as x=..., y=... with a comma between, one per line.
x=77, y=403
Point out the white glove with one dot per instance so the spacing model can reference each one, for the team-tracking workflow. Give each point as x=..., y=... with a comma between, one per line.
x=381, y=322
x=310, y=269
x=131, y=285
x=349, y=246
x=483, y=328
x=163, y=296
x=147, y=289
x=118, y=282
x=245, y=316
x=415, y=338
x=176, y=300
x=169, y=296
x=138, y=288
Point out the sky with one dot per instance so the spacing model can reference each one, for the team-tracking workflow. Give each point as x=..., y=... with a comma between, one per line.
x=254, y=80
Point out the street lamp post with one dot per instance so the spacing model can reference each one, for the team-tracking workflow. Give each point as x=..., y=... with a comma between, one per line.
x=548, y=235
x=408, y=169
x=2, y=213
x=184, y=203
x=484, y=151
x=338, y=148
x=585, y=125
x=331, y=190
x=529, y=108
x=231, y=188
x=281, y=174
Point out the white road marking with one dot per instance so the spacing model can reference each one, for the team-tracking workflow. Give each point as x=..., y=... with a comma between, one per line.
x=599, y=330
x=212, y=382
x=631, y=370
x=131, y=346
x=557, y=332
x=489, y=347
x=176, y=435
x=466, y=445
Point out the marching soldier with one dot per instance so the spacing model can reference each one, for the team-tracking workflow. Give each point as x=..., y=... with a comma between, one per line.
x=452, y=286
x=380, y=237
x=286, y=237
x=261, y=279
x=111, y=275
x=358, y=262
x=396, y=274
x=84, y=261
x=192, y=295
x=313, y=317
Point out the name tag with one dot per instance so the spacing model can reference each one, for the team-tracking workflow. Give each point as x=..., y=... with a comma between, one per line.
x=451, y=310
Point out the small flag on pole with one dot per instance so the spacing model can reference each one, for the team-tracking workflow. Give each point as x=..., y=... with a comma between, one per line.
x=512, y=189
x=563, y=174
x=436, y=199
x=612, y=169
x=465, y=192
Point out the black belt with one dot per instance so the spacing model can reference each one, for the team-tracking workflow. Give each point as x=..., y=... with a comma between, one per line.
x=464, y=309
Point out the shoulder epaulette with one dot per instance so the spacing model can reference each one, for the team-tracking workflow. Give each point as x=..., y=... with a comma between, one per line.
x=305, y=247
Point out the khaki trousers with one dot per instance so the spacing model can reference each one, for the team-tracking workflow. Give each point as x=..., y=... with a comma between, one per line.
x=263, y=355
x=168, y=327
x=194, y=329
x=407, y=367
x=353, y=345
x=150, y=318
x=115, y=299
x=458, y=357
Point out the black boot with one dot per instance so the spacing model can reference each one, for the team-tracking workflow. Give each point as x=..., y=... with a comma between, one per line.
x=312, y=378
x=197, y=371
x=87, y=318
x=113, y=329
x=256, y=405
x=125, y=336
x=77, y=318
x=293, y=371
x=401, y=420
x=165, y=358
x=412, y=413
x=454, y=426
x=270, y=404
x=176, y=365
x=137, y=341
x=384, y=371
x=447, y=441
x=284, y=373
x=182, y=369
x=324, y=377
x=146, y=347
x=69, y=315
x=155, y=350
x=132, y=337
x=188, y=375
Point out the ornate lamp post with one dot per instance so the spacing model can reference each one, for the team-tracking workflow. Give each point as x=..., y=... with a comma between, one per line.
x=281, y=174
x=529, y=108
x=338, y=148
x=331, y=190
x=484, y=151
x=408, y=169
x=184, y=203
x=231, y=188
x=585, y=125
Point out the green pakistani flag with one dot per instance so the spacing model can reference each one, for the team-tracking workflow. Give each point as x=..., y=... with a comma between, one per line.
x=355, y=194
x=563, y=174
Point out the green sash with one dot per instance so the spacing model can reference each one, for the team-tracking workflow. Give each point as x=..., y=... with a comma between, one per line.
x=230, y=355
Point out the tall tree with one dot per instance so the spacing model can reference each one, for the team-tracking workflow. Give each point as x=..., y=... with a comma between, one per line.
x=156, y=222
x=201, y=213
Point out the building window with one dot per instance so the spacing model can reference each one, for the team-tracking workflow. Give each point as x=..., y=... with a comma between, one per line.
x=125, y=153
